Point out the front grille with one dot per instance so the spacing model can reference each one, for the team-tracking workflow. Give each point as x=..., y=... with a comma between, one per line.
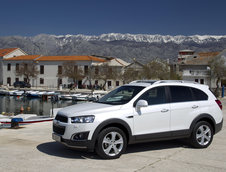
x=58, y=129
x=61, y=118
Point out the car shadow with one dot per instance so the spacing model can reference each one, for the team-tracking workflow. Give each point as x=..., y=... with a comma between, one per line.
x=154, y=146
x=59, y=150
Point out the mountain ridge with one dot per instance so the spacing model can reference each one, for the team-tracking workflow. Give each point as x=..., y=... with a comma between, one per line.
x=140, y=37
x=143, y=47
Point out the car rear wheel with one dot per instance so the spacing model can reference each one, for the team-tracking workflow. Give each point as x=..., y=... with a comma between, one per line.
x=111, y=143
x=202, y=135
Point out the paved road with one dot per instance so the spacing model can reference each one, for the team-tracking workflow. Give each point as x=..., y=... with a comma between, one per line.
x=32, y=149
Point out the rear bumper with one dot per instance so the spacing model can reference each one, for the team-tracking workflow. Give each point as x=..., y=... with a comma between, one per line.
x=218, y=126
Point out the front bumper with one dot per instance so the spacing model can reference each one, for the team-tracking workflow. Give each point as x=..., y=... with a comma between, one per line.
x=79, y=144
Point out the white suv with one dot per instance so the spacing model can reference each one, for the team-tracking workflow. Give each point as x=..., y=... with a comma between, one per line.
x=141, y=111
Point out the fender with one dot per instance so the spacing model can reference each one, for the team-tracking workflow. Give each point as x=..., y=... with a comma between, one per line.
x=208, y=117
x=112, y=122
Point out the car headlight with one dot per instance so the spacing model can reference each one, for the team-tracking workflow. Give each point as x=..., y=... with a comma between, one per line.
x=83, y=119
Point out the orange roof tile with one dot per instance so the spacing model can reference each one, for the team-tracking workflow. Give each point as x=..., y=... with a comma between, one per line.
x=6, y=51
x=203, y=58
x=70, y=58
x=24, y=57
x=208, y=54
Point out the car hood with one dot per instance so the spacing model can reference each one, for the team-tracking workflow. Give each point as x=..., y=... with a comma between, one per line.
x=87, y=109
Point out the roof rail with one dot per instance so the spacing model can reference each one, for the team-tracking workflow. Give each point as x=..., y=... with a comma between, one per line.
x=173, y=81
x=144, y=81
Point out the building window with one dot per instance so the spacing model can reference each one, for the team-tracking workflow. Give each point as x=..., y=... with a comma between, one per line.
x=59, y=69
x=41, y=81
x=17, y=67
x=109, y=83
x=9, y=81
x=197, y=80
x=9, y=67
x=201, y=81
x=42, y=69
x=117, y=83
x=59, y=81
x=86, y=69
x=75, y=68
x=17, y=79
x=110, y=70
x=25, y=66
x=96, y=70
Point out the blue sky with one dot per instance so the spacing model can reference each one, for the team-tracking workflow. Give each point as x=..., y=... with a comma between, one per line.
x=95, y=17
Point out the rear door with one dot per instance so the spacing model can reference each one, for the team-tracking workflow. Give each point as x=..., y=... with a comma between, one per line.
x=183, y=107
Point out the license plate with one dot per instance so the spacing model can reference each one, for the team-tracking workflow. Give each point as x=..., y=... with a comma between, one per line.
x=56, y=137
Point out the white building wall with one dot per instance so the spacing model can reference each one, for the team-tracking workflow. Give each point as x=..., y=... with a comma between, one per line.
x=17, y=52
x=51, y=70
x=50, y=74
x=10, y=74
x=198, y=75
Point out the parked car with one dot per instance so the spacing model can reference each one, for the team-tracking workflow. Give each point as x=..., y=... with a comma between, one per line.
x=141, y=111
x=22, y=84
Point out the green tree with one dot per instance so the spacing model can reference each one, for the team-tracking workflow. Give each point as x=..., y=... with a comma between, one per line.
x=71, y=71
x=156, y=69
x=218, y=71
x=106, y=72
x=130, y=74
x=28, y=70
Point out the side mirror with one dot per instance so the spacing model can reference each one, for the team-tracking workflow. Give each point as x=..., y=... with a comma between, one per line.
x=141, y=103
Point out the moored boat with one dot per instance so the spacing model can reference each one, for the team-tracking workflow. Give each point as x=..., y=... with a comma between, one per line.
x=25, y=118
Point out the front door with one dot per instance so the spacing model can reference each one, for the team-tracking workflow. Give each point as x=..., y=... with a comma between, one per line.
x=156, y=117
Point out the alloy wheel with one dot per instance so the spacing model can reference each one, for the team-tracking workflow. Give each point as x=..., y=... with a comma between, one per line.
x=112, y=143
x=203, y=135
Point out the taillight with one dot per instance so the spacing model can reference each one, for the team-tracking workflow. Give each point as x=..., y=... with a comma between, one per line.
x=219, y=104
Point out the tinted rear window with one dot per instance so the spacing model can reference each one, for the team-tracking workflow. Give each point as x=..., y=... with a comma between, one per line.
x=180, y=94
x=199, y=95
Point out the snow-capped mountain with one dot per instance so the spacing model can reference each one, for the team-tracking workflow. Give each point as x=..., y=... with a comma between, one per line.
x=136, y=38
x=126, y=46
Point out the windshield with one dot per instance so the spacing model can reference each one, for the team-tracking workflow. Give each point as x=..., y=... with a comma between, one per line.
x=121, y=95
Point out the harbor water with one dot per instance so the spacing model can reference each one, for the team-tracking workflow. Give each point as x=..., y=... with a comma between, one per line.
x=14, y=104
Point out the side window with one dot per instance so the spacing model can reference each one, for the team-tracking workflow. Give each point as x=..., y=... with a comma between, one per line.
x=180, y=94
x=199, y=95
x=154, y=96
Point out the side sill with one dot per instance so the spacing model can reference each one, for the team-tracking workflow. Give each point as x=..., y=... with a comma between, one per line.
x=160, y=136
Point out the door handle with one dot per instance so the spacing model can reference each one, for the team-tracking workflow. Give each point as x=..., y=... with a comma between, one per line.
x=164, y=110
x=195, y=106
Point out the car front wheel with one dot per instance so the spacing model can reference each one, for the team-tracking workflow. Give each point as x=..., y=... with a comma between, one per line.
x=202, y=135
x=111, y=143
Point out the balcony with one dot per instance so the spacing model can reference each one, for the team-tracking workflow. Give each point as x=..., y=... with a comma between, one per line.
x=201, y=73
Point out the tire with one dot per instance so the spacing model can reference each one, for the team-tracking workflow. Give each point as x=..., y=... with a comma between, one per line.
x=111, y=143
x=202, y=135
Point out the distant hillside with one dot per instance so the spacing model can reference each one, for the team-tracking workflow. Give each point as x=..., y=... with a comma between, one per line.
x=125, y=46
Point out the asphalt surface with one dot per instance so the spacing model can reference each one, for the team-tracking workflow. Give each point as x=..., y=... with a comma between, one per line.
x=30, y=148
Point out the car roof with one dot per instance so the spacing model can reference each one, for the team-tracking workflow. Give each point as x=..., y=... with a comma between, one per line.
x=147, y=83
